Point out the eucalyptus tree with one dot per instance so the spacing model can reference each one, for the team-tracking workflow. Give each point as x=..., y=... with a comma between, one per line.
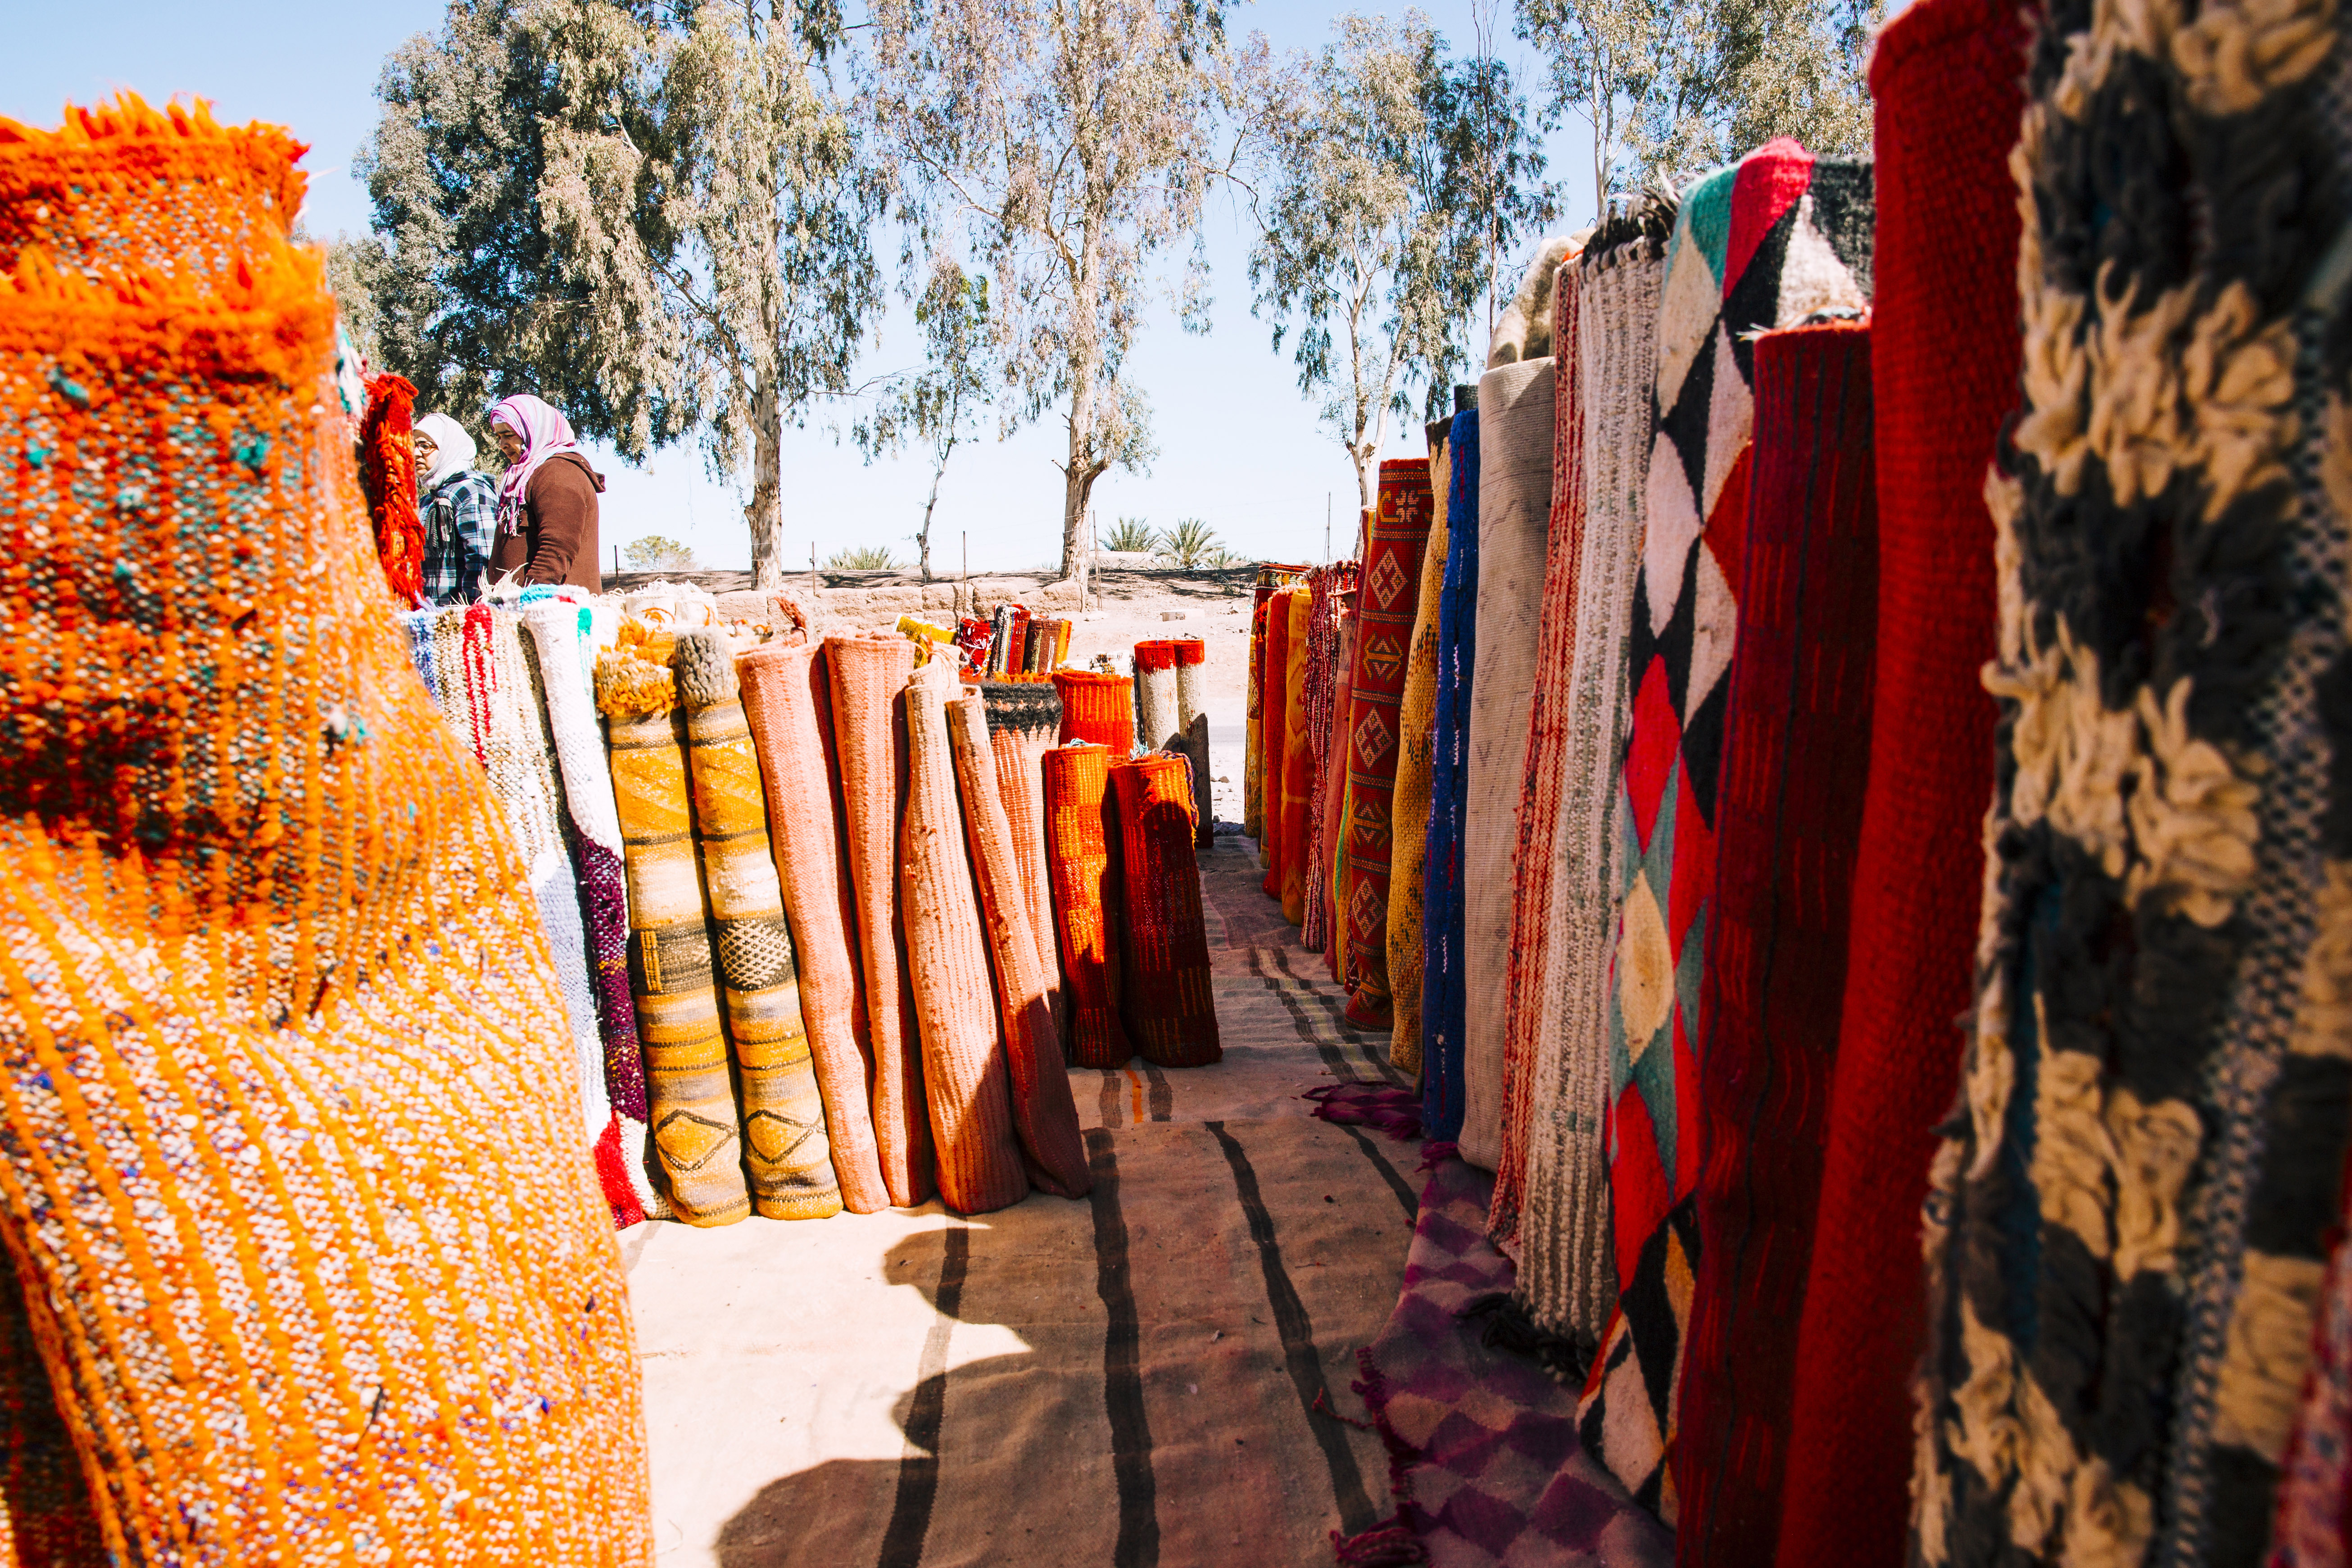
x=656, y=217
x=1067, y=142
x=935, y=405
x=1393, y=176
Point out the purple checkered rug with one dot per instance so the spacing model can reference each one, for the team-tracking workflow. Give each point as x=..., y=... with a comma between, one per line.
x=1485, y=1462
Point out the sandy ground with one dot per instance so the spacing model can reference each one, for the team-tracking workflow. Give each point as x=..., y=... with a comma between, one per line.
x=1123, y=608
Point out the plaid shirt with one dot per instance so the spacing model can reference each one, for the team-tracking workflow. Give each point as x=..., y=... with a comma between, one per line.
x=460, y=518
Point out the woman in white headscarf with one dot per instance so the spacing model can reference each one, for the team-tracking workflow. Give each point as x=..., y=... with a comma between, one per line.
x=547, y=499
x=460, y=509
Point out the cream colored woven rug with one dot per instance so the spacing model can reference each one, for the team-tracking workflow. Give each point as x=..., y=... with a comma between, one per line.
x=1129, y=1380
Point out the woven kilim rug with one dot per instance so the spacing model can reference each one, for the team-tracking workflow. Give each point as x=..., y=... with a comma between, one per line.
x=1331, y=843
x=1416, y=734
x=1163, y=1353
x=1386, y=599
x=1516, y=431
x=1763, y=244
x=1443, y=976
x=1274, y=735
x=2130, y=1211
x=1947, y=95
x=1787, y=819
x=1332, y=590
x=1297, y=753
x=292, y=1191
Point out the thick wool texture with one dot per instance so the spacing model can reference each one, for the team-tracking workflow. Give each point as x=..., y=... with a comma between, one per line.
x=1171, y=1012
x=1538, y=859
x=1082, y=860
x=1767, y=242
x=788, y=702
x=1947, y=94
x=966, y=1074
x=1332, y=811
x=1525, y=330
x=2316, y=1482
x=1098, y=708
x=869, y=681
x=1022, y=723
x=1387, y=595
x=388, y=479
x=1443, y=1003
x=1275, y=733
x=1787, y=820
x=1568, y=1267
x=273, y=967
x=1045, y=1114
x=694, y=1129
x=1298, y=755
x=2129, y=1213
x=785, y=1152
x=1409, y=812
x=1516, y=437
x=1330, y=590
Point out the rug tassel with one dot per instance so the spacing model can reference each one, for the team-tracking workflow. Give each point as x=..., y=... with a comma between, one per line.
x=1395, y=1540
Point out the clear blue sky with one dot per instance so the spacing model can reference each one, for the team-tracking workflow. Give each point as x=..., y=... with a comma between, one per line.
x=1240, y=447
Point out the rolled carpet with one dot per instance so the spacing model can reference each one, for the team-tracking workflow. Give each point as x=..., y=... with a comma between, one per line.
x=966, y=1076
x=1515, y=450
x=1274, y=735
x=1045, y=1114
x=1409, y=812
x=1442, y=978
x=1297, y=754
x=1155, y=694
x=1385, y=604
x=1171, y=1015
x=1324, y=585
x=868, y=675
x=786, y=1152
x=1760, y=245
x=1330, y=839
x=1568, y=1267
x=1022, y=722
x=1082, y=859
x=1538, y=858
x=788, y=702
x=1097, y=708
x=1193, y=723
x=1945, y=86
x=1787, y=820
x=1254, y=707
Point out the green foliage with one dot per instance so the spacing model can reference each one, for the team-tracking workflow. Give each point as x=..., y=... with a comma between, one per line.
x=862, y=558
x=1189, y=543
x=1132, y=534
x=936, y=405
x=656, y=553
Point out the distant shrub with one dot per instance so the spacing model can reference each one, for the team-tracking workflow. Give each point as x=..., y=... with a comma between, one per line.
x=656, y=553
x=1189, y=542
x=862, y=558
x=1131, y=534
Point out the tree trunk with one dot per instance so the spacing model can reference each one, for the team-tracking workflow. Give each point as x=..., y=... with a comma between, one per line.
x=923, y=534
x=765, y=511
x=1078, y=475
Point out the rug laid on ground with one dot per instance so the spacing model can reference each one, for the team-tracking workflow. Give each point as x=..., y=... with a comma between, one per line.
x=1442, y=977
x=1416, y=735
x=2129, y=1214
x=1767, y=243
x=274, y=969
x=868, y=677
x=1515, y=436
x=1385, y=604
x=1787, y=821
x=1944, y=357
x=785, y=1152
x=1044, y=1116
x=788, y=702
x=1171, y=1014
x=1568, y=1266
x=1173, y=1343
x=1486, y=1468
x=966, y=1075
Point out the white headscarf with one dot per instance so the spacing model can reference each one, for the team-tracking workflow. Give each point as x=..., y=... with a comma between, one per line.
x=453, y=450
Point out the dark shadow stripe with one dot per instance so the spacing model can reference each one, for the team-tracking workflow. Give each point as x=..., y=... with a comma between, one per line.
x=1376, y=1056
x=1163, y=1093
x=1130, y=1426
x=1299, y=1355
x=919, y=1473
x=1107, y=1105
x=1288, y=988
x=1389, y=1173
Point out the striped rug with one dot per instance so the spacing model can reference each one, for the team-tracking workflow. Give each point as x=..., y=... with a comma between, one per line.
x=1130, y=1380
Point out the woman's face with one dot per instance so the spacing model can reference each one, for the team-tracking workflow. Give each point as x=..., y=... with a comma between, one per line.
x=509, y=443
x=427, y=450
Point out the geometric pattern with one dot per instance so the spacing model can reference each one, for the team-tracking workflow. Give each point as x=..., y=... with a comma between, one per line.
x=1395, y=542
x=1778, y=233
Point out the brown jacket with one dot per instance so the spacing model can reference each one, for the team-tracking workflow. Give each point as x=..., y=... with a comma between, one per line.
x=558, y=542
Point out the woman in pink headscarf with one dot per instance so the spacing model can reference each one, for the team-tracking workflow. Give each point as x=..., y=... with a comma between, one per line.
x=547, y=499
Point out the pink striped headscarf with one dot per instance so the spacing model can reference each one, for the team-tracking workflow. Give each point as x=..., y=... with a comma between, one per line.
x=545, y=432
